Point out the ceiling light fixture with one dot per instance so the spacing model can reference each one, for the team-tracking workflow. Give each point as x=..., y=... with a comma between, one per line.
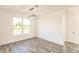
x=32, y=15
x=31, y=9
x=36, y=5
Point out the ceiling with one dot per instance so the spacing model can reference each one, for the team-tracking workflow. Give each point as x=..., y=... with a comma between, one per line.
x=37, y=10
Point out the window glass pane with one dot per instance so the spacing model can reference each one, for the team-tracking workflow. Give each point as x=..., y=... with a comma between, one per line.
x=26, y=26
x=17, y=25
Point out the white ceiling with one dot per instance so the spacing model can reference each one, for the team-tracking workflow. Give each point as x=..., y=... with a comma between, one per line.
x=25, y=8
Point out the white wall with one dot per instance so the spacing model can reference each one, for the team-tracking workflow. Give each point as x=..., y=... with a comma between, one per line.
x=6, y=28
x=72, y=24
x=51, y=26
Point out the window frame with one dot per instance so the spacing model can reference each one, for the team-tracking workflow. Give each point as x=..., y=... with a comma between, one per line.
x=22, y=28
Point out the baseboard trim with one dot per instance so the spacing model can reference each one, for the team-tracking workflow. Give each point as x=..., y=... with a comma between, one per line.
x=51, y=42
x=17, y=41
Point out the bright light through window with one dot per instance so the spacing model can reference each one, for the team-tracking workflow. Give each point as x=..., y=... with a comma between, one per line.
x=26, y=26
x=21, y=26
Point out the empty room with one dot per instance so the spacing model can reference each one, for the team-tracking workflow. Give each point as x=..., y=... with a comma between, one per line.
x=39, y=29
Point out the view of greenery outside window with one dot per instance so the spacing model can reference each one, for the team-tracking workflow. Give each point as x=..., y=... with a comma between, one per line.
x=21, y=26
x=26, y=26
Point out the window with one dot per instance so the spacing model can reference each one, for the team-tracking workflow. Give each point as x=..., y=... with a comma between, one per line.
x=26, y=26
x=21, y=26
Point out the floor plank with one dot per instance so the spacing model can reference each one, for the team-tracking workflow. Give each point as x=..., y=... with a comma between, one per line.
x=33, y=45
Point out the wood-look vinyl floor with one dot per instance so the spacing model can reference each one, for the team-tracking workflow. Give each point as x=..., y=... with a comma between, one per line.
x=38, y=45
x=33, y=45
